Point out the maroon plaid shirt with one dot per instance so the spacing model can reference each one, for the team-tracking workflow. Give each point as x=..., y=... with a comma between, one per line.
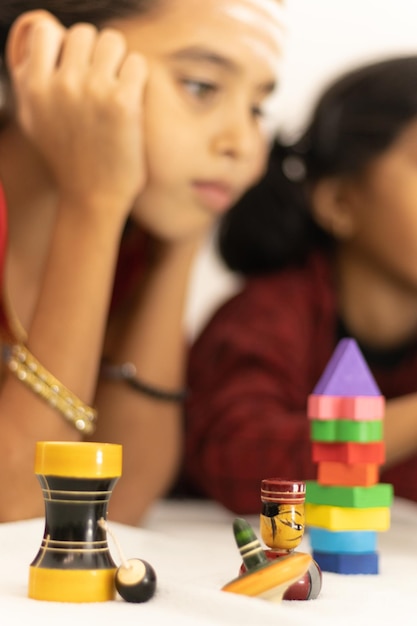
x=250, y=373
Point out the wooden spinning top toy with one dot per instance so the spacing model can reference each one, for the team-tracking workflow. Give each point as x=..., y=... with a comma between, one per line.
x=264, y=578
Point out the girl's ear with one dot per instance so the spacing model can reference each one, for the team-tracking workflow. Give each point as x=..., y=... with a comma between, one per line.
x=332, y=208
x=18, y=38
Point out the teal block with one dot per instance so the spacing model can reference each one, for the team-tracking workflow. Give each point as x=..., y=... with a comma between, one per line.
x=342, y=541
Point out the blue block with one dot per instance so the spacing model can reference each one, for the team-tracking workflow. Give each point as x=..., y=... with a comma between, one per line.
x=345, y=542
x=365, y=563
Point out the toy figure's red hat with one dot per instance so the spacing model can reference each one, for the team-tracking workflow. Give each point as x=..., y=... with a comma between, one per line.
x=283, y=491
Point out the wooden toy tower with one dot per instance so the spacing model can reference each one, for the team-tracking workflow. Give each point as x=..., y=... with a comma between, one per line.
x=346, y=506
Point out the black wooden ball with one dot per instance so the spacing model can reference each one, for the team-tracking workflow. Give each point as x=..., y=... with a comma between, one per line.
x=136, y=581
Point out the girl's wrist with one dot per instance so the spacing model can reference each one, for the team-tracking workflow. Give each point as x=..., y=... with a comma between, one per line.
x=95, y=212
x=98, y=205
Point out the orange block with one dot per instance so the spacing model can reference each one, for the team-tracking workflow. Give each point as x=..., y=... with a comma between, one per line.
x=357, y=474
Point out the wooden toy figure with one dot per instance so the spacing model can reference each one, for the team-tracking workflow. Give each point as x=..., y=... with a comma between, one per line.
x=264, y=578
x=282, y=523
x=74, y=563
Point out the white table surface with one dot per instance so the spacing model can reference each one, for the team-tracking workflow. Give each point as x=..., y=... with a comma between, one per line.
x=191, y=547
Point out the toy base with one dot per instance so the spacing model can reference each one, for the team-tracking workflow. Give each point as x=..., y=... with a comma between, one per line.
x=59, y=585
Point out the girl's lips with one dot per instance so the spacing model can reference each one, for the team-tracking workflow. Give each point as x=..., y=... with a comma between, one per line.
x=214, y=195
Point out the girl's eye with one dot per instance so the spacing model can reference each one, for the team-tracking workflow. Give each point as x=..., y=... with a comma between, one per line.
x=199, y=89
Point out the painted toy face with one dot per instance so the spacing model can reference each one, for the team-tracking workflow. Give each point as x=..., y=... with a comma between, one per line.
x=282, y=525
x=212, y=65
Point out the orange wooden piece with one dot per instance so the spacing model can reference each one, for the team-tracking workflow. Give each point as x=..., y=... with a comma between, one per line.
x=271, y=581
x=360, y=474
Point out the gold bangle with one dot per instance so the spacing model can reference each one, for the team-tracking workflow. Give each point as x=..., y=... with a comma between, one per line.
x=29, y=371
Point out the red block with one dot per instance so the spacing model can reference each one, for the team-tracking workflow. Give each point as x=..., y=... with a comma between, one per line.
x=350, y=452
x=346, y=407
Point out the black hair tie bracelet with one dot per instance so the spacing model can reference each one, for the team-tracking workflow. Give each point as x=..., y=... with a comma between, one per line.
x=126, y=372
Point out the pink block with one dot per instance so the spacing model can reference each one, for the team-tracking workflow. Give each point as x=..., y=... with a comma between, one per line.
x=345, y=407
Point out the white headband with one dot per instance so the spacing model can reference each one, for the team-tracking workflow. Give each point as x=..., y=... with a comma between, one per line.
x=273, y=20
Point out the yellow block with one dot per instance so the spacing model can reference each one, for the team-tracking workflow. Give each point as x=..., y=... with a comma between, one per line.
x=346, y=518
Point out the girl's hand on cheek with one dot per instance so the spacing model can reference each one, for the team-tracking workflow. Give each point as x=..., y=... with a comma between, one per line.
x=79, y=100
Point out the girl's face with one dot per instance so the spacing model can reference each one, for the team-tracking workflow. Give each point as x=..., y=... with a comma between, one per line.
x=212, y=64
x=384, y=211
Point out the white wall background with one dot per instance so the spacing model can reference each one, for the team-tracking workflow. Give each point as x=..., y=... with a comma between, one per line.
x=325, y=38
x=328, y=36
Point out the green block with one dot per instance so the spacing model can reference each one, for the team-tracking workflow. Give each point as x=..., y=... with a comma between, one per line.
x=380, y=495
x=363, y=431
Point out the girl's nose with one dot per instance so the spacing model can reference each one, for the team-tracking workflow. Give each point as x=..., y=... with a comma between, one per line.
x=237, y=136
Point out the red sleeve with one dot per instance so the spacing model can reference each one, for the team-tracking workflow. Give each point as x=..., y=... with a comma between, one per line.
x=250, y=373
x=131, y=264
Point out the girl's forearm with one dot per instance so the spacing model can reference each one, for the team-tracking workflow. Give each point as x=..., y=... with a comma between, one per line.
x=65, y=334
x=149, y=429
x=68, y=325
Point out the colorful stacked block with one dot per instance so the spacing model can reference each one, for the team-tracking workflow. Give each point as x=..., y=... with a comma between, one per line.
x=346, y=506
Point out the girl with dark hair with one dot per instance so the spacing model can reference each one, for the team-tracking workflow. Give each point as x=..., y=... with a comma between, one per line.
x=327, y=243
x=127, y=128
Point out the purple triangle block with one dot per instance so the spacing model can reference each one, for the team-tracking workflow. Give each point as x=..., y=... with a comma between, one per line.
x=347, y=373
